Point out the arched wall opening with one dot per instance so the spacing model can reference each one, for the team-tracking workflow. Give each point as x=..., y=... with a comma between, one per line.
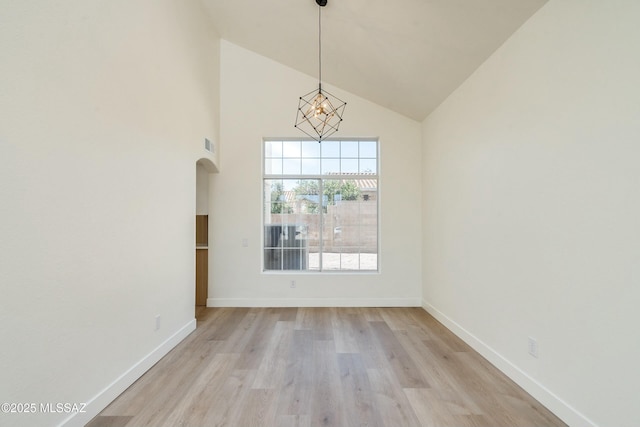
x=204, y=167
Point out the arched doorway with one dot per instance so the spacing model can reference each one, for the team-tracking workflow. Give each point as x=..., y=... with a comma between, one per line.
x=204, y=167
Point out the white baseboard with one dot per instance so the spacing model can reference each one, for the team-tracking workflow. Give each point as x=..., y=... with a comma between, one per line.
x=313, y=302
x=546, y=397
x=120, y=384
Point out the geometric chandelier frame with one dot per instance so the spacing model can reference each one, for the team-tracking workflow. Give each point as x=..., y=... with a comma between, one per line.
x=319, y=114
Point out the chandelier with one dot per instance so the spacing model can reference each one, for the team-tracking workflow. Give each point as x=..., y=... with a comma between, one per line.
x=319, y=113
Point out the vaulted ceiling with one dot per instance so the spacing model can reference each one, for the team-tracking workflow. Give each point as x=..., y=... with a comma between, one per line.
x=405, y=55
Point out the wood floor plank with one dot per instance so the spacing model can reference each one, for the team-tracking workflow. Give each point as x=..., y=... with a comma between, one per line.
x=393, y=406
x=288, y=314
x=429, y=408
x=258, y=409
x=167, y=400
x=327, y=407
x=397, y=320
x=403, y=366
x=109, y=421
x=228, y=404
x=258, y=340
x=370, y=314
x=344, y=333
x=192, y=406
x=226, y=324
x=272, y=368
x=296, y=392
x=192, y=359
x=365, y=341
x=243, y=333
x=293, y=421
x=357, y=391
x=473, y=421
x=321, y=323
x=323, y=367
x=435, y=372
x=303, y=319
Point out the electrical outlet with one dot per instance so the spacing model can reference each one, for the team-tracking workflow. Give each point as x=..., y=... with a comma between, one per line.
x=293, y=284
x=157, y=322
x=533, y=347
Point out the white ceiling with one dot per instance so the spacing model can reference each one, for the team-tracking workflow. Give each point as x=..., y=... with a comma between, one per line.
x=405, y=55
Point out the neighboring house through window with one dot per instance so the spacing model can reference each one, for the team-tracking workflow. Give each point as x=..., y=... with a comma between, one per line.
x=320, y=205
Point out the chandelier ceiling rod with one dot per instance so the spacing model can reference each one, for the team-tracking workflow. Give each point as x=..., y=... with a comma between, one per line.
x=321, y=3
x=320, y=45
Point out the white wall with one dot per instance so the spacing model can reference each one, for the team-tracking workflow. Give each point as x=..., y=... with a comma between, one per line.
x=531, y=191
x=104, y=109
x=259, y=98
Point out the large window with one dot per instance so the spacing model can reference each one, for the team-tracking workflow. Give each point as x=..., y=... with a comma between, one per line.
x=320, y=205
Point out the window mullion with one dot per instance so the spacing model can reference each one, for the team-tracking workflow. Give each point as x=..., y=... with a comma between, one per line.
x=321, y=222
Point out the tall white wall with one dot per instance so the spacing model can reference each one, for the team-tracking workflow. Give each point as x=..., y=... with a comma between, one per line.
x=531, y=191
x=104, y=107
x=259, y=98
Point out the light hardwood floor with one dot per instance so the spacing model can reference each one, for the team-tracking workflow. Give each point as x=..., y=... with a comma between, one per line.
x=323, y=367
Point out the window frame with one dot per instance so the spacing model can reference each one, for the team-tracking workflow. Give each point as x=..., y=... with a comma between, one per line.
x=321, y=177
